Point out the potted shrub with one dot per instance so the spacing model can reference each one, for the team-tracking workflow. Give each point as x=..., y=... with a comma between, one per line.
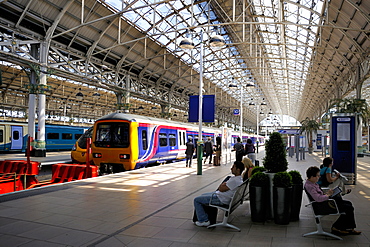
x=282, y=188
x=274, y=161
x=258, y=169
x=297, y=190
x=275, y=154
x=309, y=126
x=258, y=194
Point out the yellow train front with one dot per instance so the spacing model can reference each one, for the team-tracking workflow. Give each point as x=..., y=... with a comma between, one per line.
x=123, y=142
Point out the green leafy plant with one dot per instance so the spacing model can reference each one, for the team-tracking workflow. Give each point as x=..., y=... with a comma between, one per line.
x=296, y=177
x=351, y=105
x=275, y=157
x=258, y=169
x=309, y=126
x=259, y=179
x=282, y=179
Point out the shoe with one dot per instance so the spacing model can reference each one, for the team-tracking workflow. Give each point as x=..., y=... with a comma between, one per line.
x=347, y=192
x=206, y=223
x=354, y=232
x=339, y=232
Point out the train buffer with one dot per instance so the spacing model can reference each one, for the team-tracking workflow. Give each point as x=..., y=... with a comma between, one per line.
x=62, y=173
x=17, y=175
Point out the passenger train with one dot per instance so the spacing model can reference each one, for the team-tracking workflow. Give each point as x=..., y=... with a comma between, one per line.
x=13, y=136
x=123, y=142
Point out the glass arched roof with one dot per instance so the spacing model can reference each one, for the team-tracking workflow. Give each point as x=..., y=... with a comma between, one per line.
x=270, y=43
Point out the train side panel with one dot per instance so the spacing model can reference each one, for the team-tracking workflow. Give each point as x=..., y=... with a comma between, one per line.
x=130, y=164
x=13, y=136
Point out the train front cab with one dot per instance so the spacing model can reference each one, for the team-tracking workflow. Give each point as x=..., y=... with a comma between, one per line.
x=113, y=145
x=78, y=152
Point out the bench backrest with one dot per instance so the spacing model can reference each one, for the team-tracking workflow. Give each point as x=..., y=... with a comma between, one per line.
x=238, y=196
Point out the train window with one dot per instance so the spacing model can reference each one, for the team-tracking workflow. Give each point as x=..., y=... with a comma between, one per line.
x=66, y=136
x=77, y=136
x=52, y=136
x=162, y=139
x=172, y=140
x=114, y=135
x=15, y=135
x=84, y=136
x=183, y=138
x=145, y=140
x=1, y=135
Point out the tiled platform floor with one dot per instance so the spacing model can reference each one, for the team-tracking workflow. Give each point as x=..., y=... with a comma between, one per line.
x=153, y=207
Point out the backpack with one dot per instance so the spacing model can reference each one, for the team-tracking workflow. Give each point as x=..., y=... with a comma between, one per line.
x=324, y=181
x=240, y=151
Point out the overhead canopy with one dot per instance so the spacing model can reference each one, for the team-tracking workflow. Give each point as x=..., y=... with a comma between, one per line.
x=294, y=55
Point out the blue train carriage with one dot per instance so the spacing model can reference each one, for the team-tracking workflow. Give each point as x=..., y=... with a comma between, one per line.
x=62, y=137
x=123, y=142
x=13, y=136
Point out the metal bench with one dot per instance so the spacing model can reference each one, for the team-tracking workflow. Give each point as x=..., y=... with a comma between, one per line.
x=237, y=199
x=317, y=209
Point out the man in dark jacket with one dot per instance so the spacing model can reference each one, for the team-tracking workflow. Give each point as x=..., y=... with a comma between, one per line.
x=239, y=150
x=208, y=149
x=189, y=152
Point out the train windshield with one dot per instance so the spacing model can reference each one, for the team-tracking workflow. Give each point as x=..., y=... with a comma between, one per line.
x=113, y=135
x=82, y=140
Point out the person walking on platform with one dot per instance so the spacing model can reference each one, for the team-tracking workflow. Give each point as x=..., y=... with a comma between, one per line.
x=222, y=196
x=208, y=148
x=239, y=150
x=218, y=152
x=345, y=224
x=250, y=150
x=189, y=152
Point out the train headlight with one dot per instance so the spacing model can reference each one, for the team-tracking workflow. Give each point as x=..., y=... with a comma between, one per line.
x=124, y=156
x=97, y=155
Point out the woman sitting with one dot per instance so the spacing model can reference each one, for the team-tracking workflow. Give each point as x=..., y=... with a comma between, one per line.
x=345, y=224
x=248, y=166
x=326, y=178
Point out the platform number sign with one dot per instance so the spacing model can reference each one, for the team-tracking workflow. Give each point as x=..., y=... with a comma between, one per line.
x=236, y=112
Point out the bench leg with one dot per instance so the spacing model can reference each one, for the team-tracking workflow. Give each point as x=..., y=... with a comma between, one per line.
x=320, y=231
x=224, y=223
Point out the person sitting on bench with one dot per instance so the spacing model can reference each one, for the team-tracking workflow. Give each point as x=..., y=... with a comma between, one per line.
x=223, y=195
x=345, y=224
x=326, y=178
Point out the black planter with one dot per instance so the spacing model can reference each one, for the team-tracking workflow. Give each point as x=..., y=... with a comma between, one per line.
x=281, y=205
x=258, y=203
x=296, y=201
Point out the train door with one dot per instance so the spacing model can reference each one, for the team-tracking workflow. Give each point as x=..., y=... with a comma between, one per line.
x=182, y=139
x=167, y=144
x=16, y=137
x=181, y=142
x=2, y=137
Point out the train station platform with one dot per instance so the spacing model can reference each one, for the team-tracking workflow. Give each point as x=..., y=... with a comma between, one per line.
x=154, y=207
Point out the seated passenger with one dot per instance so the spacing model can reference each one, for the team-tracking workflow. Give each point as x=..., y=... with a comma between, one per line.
x=222, y=196
x=345, y=224
x=248, y=165
x=326, y=178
